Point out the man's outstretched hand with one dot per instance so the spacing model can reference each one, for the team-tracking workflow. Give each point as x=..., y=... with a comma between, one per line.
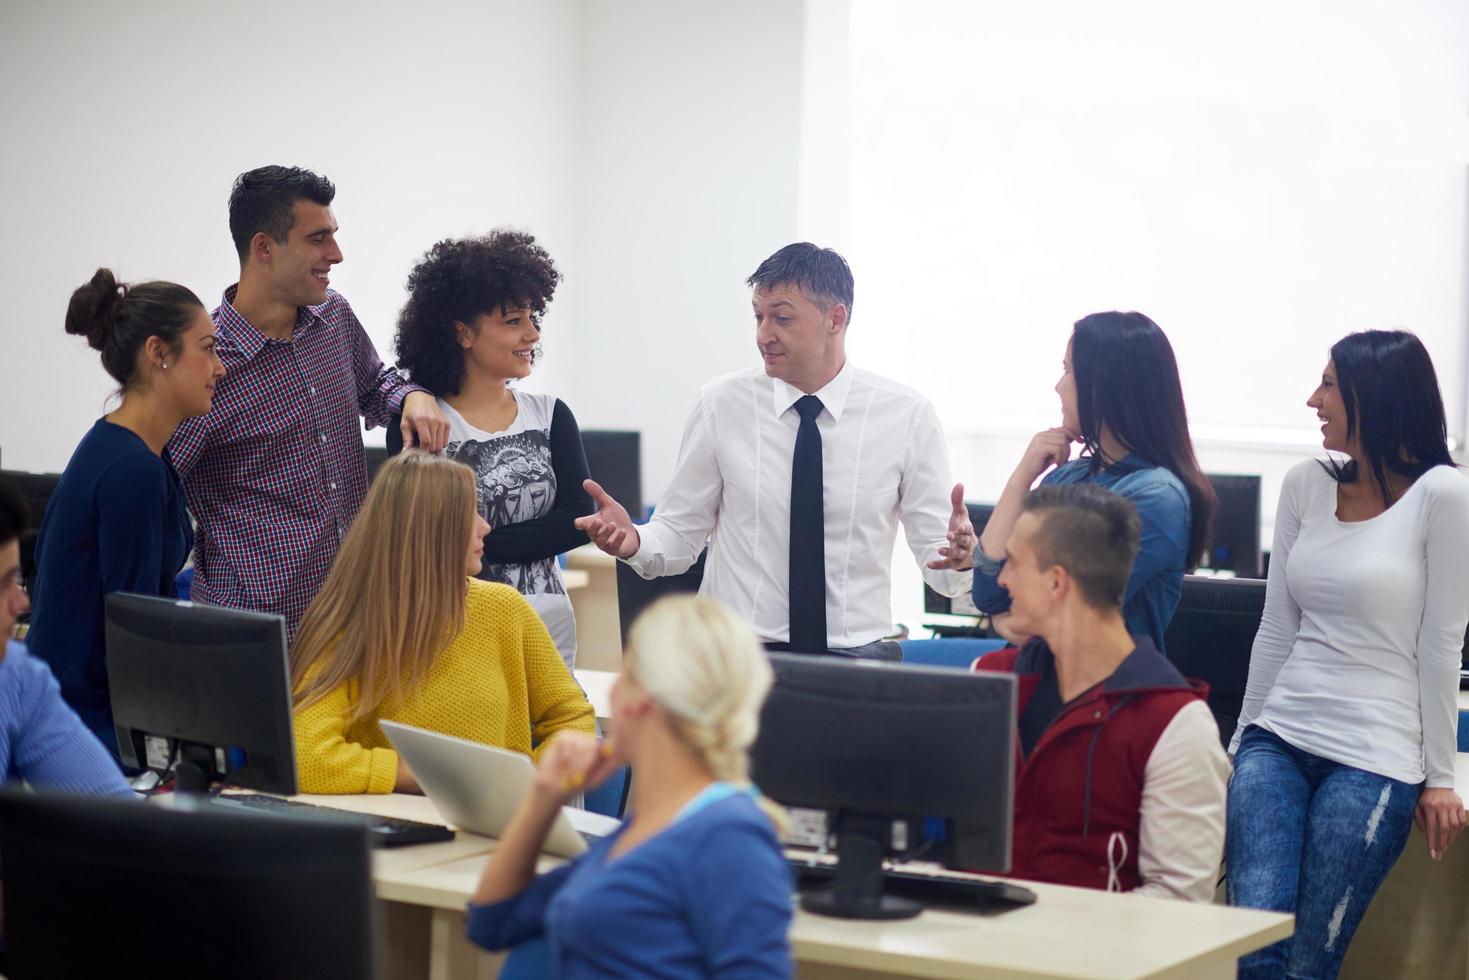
x=958, y=553
x=609, y=528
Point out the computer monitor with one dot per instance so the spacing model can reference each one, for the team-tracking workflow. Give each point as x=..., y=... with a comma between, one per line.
x=202, y=690
x=872, y=743
x=615, y=460
x=97, y=888
x=1211, y=636
x=1234, y=543
x=36, y=489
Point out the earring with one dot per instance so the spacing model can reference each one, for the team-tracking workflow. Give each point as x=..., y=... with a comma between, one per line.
x=165, y=365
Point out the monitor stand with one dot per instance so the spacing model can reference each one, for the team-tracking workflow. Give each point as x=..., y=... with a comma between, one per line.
x=856, y=890
x=191, y=775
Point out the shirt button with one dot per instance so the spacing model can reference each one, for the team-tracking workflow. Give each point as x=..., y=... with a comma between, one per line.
x=312, y=390
x=332, y=485
x=323, y=437
x=1095, y=715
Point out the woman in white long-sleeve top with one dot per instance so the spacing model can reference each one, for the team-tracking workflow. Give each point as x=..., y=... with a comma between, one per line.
x=1347, y=733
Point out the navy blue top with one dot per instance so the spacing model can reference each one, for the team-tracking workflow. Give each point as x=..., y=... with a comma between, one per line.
x=1157, y=576
x=708, y=896
x=116, y=523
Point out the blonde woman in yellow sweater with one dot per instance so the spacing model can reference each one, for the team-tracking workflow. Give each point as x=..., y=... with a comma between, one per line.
x=401, y=631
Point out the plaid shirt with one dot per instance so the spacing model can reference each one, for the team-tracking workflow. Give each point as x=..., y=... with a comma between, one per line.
x=275, y=472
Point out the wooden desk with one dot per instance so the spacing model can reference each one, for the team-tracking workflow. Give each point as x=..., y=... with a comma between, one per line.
x=598, y=686
x=1418, y=923
x=598, y=630
x=1069, y=932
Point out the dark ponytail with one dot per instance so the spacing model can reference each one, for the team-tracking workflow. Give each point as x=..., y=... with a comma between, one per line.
x=117, y=319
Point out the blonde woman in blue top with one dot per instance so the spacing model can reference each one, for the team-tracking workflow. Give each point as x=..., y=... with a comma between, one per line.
x=1122, y=401
x=693, y=884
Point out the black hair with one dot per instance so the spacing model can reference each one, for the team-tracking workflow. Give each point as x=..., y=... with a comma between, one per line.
x=264, y=199
x=821, y=273
x=14, y=517
x=1127, y=381
x=1393, y=405
x=117, y=319
x=1091, y=532
x=458, y=280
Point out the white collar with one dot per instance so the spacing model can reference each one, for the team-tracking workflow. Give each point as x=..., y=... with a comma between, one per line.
x=833, y=396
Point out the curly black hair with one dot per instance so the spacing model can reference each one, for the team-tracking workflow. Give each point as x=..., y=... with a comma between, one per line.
x=459, y=279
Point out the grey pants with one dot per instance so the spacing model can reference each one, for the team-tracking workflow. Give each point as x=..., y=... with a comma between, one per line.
x=889, y=650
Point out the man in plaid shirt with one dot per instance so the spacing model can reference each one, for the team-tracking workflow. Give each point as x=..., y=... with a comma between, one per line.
x=275, y=472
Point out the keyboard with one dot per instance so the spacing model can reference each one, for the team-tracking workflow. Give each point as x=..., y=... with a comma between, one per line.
x=923, y=887
x=383, y=831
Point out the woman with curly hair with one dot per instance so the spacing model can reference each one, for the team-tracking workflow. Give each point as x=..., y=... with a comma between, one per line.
x=472, y=325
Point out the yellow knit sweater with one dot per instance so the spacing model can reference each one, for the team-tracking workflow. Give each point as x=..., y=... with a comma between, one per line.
x=500, y=682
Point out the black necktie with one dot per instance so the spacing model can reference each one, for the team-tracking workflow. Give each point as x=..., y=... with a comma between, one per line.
x=808, y=535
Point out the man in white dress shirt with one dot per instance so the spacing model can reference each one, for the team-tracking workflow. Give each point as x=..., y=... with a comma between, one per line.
x=797, y=476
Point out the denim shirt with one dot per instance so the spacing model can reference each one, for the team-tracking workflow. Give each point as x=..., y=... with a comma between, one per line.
x=1157, y=576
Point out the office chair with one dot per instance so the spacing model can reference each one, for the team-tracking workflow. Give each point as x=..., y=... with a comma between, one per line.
x=635, y=593
x=1210, y=639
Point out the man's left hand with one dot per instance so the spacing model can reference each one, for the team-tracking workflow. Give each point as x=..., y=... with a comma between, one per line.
x=424, y=426
x=958, y=554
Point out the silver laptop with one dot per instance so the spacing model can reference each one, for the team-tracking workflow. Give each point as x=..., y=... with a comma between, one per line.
x=477, y=787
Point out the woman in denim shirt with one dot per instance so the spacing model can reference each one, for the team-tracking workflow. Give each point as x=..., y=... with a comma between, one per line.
x=1122, y=401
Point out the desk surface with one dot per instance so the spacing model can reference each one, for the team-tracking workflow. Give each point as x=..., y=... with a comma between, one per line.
x=1069, y=932
x=598, y=686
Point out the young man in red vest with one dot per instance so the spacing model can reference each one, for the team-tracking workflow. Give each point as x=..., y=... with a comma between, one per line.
x=1120, y=780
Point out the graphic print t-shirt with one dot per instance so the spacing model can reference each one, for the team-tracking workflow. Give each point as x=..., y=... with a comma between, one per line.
x=514, y=482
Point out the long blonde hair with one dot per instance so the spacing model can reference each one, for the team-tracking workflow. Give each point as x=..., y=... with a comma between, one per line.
x=395, y=595
x=705, y=668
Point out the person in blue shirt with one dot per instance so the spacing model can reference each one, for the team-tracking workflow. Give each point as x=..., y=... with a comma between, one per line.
x=42, y=741
x=116, y=521
x=1122, y=401
x=693, y=884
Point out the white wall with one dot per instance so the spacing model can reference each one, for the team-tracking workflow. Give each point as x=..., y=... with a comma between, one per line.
x=652, y=145
x=125, y=124
x=690, y=150
x=1260, y=178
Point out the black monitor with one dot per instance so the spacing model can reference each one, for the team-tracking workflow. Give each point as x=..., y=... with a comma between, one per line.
x=202, y=690
x=1234, y=541
x=872, y=743
x=36, y=489
x=615, y=460
x=635, y=593
x=1211, y=636
x=98, y=888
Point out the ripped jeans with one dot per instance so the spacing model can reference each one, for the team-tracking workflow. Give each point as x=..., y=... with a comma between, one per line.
x=1313, y=837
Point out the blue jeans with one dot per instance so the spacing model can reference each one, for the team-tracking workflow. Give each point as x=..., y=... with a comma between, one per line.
x=1313, y=837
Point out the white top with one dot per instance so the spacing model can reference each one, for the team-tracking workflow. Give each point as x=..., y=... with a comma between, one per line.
x=514, y=481
x=883, y=462
x=1181, y=820
x=1357, y=657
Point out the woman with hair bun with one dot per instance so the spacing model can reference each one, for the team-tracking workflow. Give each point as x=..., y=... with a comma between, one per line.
x=471, y=326
x=116, y=521
x=693, y=883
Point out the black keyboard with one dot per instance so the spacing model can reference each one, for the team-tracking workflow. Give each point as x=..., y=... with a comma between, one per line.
x=384, y=831
x=922, y=887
